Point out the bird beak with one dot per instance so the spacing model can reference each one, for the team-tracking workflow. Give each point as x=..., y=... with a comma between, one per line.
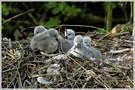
x=65, y=32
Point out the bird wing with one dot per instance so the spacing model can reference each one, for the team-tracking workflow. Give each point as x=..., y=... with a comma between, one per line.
x=44, y=36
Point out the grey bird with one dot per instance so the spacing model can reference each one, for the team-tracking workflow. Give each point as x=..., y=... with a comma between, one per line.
x=77, y=49
x=94, y=52
x=67, y=42
x=80, y=50
x=70, y=35
x=46, y=41
x=39, y=29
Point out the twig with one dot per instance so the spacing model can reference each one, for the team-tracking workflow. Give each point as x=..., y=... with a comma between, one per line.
x=43, y=67
x=120, y=71
x=10, y=44
x=120, y=34
x=88, y=78
x=8, y=70
x=12, y=56
x=81, y=33
x=20, y=45
x=42, y=75
x=27, y=28
x=32, y=17
x=50, y=55
x=14, y=76
x=92, y=74
x=20, y=81
x=104, y=36
x=126, y=76
x=128, y=41
x=77, y=79
x=17, y=16
x=121, y=51
x=77, y=26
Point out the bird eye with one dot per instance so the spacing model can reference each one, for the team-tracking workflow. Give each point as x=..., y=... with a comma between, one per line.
x=54, y=35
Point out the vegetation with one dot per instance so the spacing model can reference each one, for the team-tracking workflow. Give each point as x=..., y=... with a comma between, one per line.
x=19, y=18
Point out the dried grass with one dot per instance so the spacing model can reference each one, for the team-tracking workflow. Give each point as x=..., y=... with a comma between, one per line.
x=20, y=66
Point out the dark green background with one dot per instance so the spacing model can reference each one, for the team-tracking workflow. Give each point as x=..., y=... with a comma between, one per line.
x=50, y=14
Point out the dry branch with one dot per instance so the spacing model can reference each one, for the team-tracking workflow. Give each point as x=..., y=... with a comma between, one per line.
x=22, y=71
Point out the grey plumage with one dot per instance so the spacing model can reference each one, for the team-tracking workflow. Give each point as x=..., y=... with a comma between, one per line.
x=67, y=42
x=70, y=35
x=82, y=48
x=39, y=29
x=64, y=45
x=77, y=49
x=94, y=52
x=46, y=41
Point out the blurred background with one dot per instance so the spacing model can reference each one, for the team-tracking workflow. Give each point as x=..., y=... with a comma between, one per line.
x=20, y=18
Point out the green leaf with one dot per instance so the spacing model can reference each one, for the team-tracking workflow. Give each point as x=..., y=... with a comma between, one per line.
x=101, y=30
x=51, y=5
x=17, y=34
x=5, y=10
x=72, y=10
x=78, y=10
x=62, y=5
x=53, y=22
x=68, y=9
x=55, y=10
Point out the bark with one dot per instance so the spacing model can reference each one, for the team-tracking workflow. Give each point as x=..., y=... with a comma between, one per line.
x=109, y=16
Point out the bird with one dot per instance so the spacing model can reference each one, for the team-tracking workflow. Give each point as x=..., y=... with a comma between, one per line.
x=77, y=49
x=46, y=41
x=82, y=48
x=94, y=52
x=67, y=42
x=70, y=35
x=39, y=29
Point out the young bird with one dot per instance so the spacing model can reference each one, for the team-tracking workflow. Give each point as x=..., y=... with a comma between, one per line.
x=94, y=52
x=70, y=35
x=77, y=50
x=67, y=42
x=46, y=41
x=39, y=29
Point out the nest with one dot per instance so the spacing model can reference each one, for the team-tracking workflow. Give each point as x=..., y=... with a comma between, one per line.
x=21, y=66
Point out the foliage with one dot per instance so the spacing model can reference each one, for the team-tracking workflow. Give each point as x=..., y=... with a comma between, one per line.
x=5, y=9
x=101, y=30
x=58, y=10
x=17, y=34
x=63, y=9
x=50, y=14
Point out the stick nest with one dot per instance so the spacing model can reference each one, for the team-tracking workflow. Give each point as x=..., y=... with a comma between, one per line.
x=21, y=66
